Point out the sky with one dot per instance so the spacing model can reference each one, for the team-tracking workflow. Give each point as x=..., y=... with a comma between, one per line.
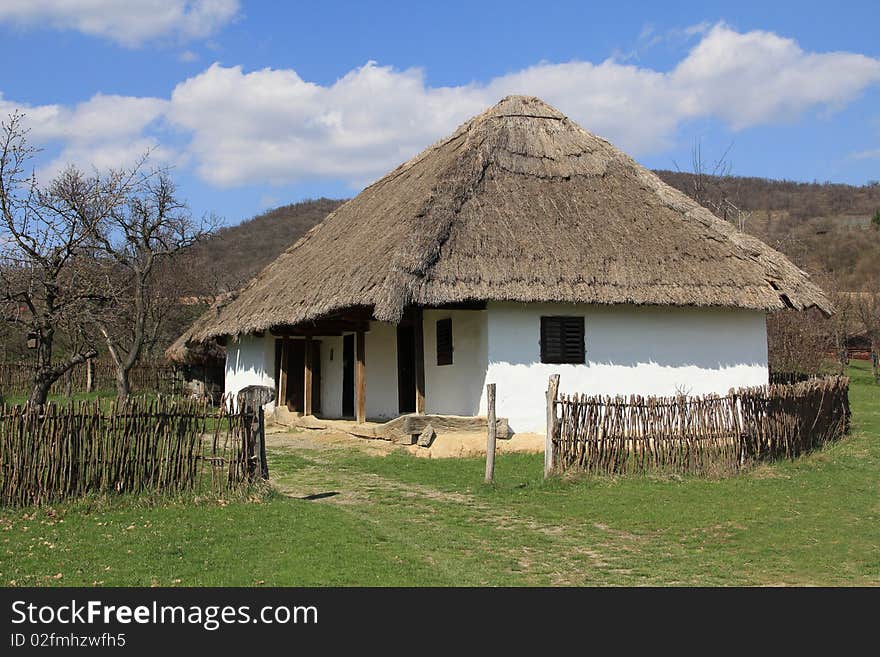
x=257, y=104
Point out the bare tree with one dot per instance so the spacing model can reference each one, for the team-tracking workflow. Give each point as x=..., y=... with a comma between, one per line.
x=868, y=313
x=148, y=227
x=797, y=341
x=707, y=190
x=42, y=242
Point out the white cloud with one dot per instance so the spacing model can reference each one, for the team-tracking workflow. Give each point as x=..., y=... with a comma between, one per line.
x=128, y=22
x=759, y=77
x=104, y=131
x=873, y=154
x=272, y=126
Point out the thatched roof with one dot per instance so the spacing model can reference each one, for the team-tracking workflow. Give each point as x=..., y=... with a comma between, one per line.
x=519, y=204
x=186, y=351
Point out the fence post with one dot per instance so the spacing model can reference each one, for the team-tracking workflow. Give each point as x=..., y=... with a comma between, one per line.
x=490, y=433
x=552, y=392
x=261, y=436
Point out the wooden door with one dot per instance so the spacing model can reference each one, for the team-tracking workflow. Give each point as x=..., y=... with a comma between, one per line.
x=406, y=370
x=316, y=376
x=296, y=363
x=348, y=376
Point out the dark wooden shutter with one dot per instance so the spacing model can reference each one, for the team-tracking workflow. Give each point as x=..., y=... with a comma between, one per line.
x=444, y=341
x=562, y=340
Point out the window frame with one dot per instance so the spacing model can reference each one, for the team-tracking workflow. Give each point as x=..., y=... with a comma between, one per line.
x=564, y=357
x=445, y=356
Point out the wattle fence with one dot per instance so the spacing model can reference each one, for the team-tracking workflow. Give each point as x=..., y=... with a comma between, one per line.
x=133, y=446
x=696, y=435
x=17, y=379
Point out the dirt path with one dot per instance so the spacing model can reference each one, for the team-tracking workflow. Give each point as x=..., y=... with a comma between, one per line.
x=368, y=495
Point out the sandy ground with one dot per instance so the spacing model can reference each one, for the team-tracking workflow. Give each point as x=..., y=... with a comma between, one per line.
x=449, y=445
x=453, y=445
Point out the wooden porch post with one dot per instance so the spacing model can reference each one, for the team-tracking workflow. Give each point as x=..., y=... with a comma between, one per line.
x=307, y=377
x=360, y=379
x=419, y=349
x=282, y=384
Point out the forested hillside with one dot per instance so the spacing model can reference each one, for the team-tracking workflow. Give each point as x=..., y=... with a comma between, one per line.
x=235, y=254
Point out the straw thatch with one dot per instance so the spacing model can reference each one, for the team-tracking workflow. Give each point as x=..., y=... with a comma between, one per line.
x=185, y=351
x=519, y=204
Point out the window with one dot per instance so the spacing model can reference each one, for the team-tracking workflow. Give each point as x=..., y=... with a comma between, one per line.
x=444, y=341
x=562, y=340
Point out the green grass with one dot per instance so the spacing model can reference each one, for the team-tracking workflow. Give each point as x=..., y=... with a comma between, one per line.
x=105, y=397
x=401, y=520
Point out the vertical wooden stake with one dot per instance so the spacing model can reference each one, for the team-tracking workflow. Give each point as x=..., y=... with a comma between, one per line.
x=490, y=434
x=307, y=377
x=282, y=385
x=360, y=379
x=552, y=392
x=419, y=336
x=264, y=464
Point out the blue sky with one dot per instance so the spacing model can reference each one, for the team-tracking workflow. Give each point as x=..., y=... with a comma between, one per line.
x=256, y=104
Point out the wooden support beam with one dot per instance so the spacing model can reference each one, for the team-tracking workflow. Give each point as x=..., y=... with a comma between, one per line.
x=282, y=384
x=321, y=327
x=415, y=424
x=307, y=378
x=419, y=354
x=360, y=379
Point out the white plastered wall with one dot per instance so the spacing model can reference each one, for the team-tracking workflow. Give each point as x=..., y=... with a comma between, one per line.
x=629, y=350
x=456, y=389
x=250, y=361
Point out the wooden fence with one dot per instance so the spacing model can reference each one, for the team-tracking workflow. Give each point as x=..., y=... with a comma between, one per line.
x=137, y=445
x=789, y=378
x=699, y=435
x=17, y=379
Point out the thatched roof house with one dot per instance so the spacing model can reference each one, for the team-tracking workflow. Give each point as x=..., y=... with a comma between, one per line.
x=519, y=215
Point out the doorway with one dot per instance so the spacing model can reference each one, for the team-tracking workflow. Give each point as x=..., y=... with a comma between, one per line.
x=295, y=368
x=406, y=368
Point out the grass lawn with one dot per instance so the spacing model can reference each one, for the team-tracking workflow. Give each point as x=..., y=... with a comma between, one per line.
x=399, y=520
x=103, y=395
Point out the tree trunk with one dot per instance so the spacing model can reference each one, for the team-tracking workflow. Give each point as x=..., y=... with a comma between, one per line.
x=42, y=382
x=46, y=375
x=90, y=375
x=123, y=387
x=875, y=363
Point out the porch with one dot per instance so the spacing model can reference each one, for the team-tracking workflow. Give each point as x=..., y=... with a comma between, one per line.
x=350, y=367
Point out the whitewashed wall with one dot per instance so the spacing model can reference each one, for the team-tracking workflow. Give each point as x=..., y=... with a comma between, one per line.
x=250, y=361
x=630, y=350
x=380, y=362
x=456, y=389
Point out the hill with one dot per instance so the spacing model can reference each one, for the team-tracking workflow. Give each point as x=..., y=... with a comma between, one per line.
x=235, y=254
